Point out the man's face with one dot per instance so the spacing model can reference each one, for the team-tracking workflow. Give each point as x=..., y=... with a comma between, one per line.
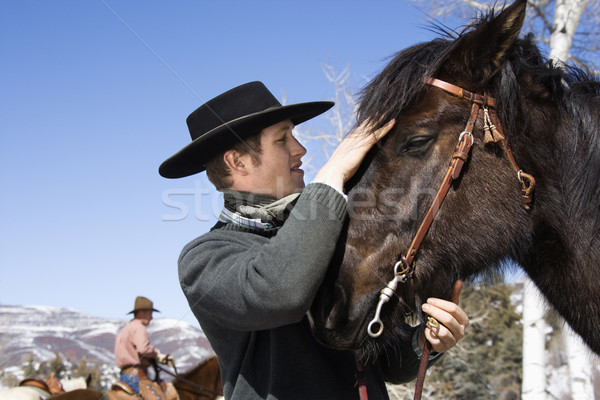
x=279, y=172
x=145, y=316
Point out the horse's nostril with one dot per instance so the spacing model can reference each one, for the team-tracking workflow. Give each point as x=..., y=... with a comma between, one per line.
x=339, y=310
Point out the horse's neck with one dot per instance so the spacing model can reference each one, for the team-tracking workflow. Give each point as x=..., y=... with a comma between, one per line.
x=206, y=376
x=566, y=159
x=564, y=260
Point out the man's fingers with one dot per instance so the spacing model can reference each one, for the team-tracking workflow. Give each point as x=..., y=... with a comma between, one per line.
x=441, y=338
x=452, y=320
x=381, y=132
x=363, y=130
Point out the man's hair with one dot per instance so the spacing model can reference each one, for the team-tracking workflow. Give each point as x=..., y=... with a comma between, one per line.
x=220, y=174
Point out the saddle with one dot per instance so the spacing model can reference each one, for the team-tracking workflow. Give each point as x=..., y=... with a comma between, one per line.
x=38, y=385
x=149, y=390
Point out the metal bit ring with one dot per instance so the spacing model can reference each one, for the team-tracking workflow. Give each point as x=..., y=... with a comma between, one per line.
x=432, y=322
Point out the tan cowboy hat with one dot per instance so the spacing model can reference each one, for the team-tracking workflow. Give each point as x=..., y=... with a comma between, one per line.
x=141, y=304
x=228, y=119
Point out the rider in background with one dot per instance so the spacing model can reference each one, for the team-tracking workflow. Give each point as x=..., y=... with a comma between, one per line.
x=133, y=352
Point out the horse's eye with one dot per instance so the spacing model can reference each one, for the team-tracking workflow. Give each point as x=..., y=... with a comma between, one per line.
x=416, y=144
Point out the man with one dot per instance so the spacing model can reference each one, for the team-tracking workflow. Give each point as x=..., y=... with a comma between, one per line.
x=133, y=352
x=252, y=278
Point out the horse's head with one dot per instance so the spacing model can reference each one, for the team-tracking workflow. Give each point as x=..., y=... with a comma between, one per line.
x=395, y=187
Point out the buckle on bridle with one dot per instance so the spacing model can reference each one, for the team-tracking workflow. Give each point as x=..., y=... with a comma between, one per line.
x=404, y=274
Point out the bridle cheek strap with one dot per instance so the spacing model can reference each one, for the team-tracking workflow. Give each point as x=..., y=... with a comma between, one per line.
x=404, y=268
x=459, y=157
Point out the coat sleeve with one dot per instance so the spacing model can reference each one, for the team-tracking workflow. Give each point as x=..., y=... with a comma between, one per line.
x=247, y=282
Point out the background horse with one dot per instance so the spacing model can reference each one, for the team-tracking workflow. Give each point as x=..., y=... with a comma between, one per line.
x=550, y=117
x=36, y=389
x=201, y=383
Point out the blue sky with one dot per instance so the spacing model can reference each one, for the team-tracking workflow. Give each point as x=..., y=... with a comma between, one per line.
x=94, y=96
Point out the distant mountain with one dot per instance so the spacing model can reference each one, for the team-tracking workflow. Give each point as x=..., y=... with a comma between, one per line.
x=43, y=332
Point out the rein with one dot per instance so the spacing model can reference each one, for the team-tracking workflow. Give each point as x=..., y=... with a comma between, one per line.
x=193, y=384
x=404, y=268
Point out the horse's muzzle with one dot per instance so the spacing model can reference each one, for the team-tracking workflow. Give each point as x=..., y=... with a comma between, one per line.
x=331, y=322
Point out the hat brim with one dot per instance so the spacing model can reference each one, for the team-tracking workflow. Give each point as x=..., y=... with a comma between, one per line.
x=143, y=309
x=193, y=157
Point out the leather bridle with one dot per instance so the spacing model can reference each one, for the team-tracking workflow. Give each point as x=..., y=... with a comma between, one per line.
x=404, y=268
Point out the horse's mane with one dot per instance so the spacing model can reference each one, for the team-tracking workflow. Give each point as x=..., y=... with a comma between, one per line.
x=401, y=81
x=575, y=90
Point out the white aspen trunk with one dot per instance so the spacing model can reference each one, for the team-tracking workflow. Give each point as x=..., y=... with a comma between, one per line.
x=567, y=14
x=534, y=344
x=580, y=367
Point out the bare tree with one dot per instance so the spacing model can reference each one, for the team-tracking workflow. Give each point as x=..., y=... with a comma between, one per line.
x=568, y=30
x=340, y=119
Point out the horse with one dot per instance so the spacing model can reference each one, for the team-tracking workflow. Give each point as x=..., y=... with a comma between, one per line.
x=203, y=382
x=494, y=156
x=36, y=389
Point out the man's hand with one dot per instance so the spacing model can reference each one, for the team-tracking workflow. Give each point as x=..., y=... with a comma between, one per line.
x=452, y=321
x=165, y=359
x=348, y=156
x=169, y=361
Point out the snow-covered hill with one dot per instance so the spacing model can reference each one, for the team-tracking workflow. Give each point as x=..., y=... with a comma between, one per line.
x=43, y=332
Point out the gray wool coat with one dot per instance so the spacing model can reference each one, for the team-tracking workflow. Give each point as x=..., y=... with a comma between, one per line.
x=250, y=291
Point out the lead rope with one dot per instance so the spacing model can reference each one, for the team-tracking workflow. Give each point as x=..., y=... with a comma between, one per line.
x=361, y=379
x=422, y=370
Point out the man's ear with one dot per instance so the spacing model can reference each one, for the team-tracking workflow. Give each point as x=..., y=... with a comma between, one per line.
x=235, y=162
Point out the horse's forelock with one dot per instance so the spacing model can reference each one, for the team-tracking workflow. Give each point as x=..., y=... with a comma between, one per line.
x=400, y=82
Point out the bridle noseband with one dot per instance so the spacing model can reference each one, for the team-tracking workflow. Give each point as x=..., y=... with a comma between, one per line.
x=404, y=268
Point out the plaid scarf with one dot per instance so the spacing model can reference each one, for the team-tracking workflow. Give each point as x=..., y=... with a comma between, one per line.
x=254, y=210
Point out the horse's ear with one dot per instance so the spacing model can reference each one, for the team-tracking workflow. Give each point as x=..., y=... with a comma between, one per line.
x=485, y=48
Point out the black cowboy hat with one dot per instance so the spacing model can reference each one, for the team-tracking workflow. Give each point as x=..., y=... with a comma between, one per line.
x=230, y=118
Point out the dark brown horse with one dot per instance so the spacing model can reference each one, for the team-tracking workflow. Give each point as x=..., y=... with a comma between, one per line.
x=549, y=116
x=203, y=382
